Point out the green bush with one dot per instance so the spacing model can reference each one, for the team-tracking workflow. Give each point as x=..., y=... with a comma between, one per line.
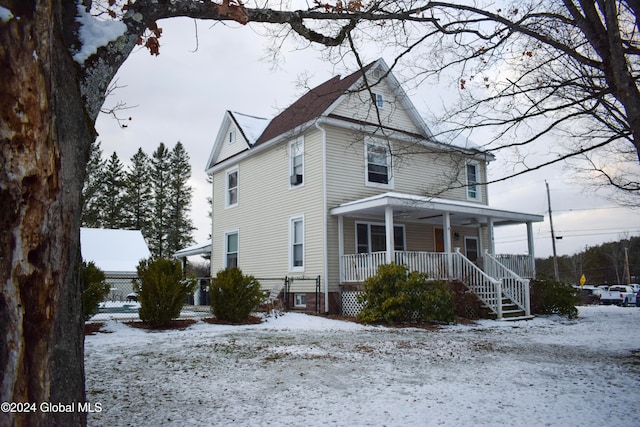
x=549, y=296
x=94, y=289
x=233, y=295
x=162, y=290
x=393, y=296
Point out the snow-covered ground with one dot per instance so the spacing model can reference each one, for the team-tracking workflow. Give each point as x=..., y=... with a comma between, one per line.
x=300, y=370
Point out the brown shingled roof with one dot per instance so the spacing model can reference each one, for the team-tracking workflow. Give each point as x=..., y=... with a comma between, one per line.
x=311, y=105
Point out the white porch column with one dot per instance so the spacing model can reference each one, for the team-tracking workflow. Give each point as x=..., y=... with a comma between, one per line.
x=530, y=239
x=446, y=230
x=388, y=226
x=340, y=247
x=532, y=255
x=492, y=242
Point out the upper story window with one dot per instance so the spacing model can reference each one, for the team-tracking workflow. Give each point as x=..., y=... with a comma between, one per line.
x=232, y=136
x=378, y=99
x=296, y=161
x=378, y=167
x=296, y=239
x=473, y=175
x=231, y=188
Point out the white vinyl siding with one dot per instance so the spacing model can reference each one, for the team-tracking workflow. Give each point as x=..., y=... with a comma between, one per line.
x=232, y=143
x=359, y=106
x=265, y=208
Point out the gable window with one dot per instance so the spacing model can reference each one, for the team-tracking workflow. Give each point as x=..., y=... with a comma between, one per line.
x=232, y=136
x=231, y=249
x=231, y=188
x=473, y=189
x=296, y=238
x=378, y=164
x=371, y=237
x=378, y=99
x=296, y=161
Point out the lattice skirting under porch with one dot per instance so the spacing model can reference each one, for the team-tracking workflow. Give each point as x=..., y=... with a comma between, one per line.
x=350, y=304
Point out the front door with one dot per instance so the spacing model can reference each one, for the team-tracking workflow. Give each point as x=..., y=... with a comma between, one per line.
x=438, y=235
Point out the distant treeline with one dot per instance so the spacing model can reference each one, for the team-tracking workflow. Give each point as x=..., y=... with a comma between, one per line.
x=606, y=263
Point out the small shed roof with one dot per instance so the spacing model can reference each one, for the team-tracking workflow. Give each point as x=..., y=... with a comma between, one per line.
x=198, y=249
x=113, y=251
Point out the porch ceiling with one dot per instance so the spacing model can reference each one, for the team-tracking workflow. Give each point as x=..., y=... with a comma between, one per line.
x=413, y=208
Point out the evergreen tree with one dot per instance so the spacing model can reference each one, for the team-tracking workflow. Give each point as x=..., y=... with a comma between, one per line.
x=138, y=193
x=113, y=198
x=160, y=178
x=93, y=188
x=180, y=228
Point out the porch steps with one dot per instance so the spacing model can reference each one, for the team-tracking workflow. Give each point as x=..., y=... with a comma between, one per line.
x=510, y=312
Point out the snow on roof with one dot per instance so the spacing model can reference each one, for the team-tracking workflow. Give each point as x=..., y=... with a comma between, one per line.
x=251, y=126
x=113, y=251
x=197, y=249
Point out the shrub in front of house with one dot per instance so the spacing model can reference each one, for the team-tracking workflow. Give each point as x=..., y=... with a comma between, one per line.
x=549, y=296
x=393, y=295
x=94, y=289
x=234, y=296
x=162, y=290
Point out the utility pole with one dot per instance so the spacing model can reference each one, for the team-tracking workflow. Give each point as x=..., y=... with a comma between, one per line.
x=553, y=236
x=626, y=265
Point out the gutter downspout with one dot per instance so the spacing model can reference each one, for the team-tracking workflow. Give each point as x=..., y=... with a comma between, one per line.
x=325, y=254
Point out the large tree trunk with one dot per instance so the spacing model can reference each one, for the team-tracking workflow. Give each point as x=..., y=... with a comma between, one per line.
x=45, y=137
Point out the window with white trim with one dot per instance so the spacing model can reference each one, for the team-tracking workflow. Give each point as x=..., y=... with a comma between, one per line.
x=473, y=175
x=300, y=300
x=231, y=249
x=296, y=162
x=471, y=249
x=371, y=237
x=378, y=164
x=232, y=136
x=231, y=188
x=377, y=99
x=296, y=244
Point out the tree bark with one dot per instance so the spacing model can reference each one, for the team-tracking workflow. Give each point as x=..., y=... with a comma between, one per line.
x=44, y=146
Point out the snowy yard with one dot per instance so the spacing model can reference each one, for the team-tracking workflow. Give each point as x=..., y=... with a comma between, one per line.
x=303, y=370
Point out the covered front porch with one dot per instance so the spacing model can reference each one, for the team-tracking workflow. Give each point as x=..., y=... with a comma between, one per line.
x=445, y=239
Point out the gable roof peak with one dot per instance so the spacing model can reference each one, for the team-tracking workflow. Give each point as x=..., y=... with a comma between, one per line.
x=312, y=104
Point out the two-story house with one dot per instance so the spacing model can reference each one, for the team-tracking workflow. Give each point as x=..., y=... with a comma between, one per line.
x=347, y=178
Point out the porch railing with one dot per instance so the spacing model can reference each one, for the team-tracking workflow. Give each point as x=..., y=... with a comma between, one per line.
x=432, y=263
x=486, y=288
x=359, y=267
x=442, y=265
x=513, y=286
x=522, y=265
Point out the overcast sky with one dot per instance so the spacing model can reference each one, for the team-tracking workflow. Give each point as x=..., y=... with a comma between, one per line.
x=182, y=95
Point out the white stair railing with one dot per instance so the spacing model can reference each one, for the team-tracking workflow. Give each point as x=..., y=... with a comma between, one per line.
x=486, y=288
x=513, y=286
